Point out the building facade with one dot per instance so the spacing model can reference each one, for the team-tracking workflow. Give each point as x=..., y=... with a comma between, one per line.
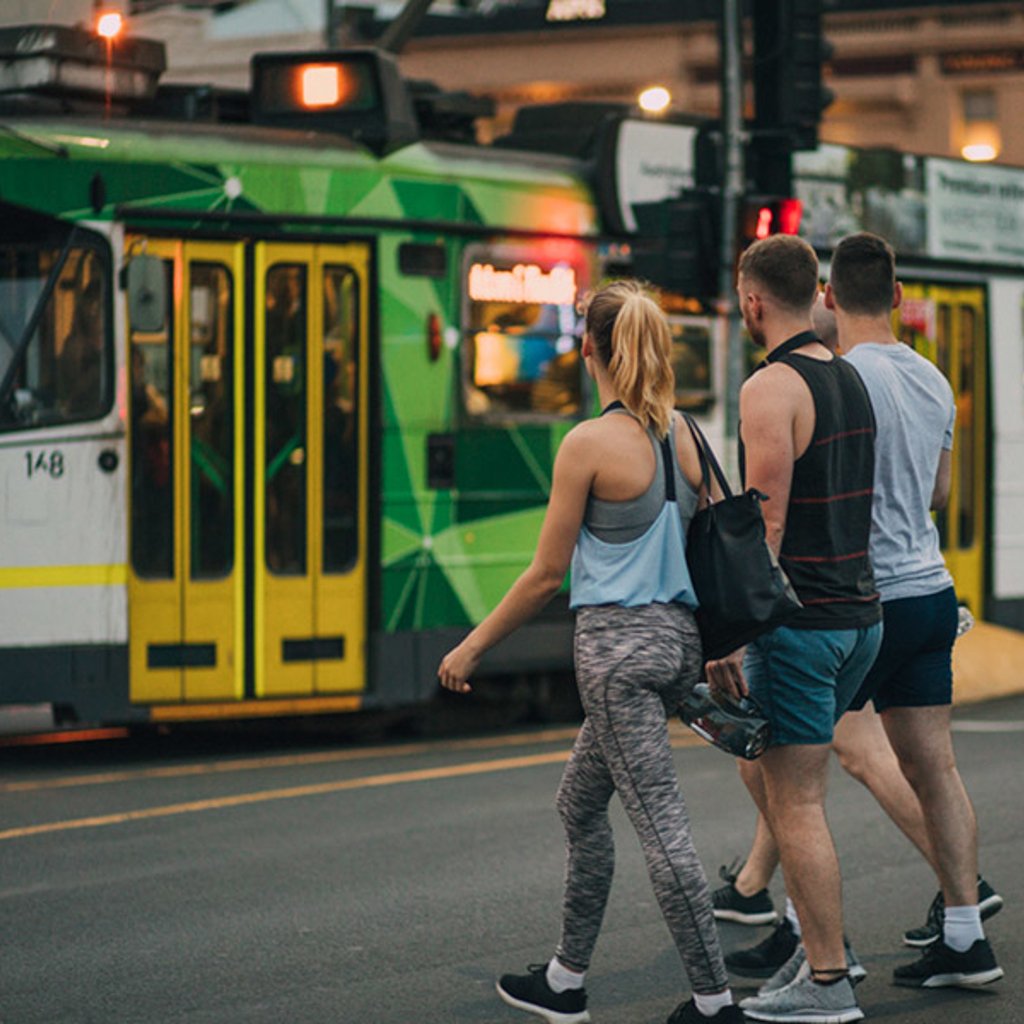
x=934, y=78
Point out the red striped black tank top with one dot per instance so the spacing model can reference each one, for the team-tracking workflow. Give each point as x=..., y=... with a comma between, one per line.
x=828, y=523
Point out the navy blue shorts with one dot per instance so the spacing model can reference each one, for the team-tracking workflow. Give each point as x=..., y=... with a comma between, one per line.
x=914, y=667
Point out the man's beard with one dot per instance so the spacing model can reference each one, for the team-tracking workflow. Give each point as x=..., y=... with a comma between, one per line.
x=756, y=334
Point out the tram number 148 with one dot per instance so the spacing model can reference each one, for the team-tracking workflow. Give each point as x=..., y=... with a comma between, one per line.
x=44, y=463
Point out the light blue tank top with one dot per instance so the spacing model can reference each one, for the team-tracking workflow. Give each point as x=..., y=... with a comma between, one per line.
x=633, y=553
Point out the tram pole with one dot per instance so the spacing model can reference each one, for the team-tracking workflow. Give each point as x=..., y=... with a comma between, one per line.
x=401, y=28
x=733, y=187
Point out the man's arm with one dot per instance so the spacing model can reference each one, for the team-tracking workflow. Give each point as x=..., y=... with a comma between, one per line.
x=943, y=479
x=768, y=409
x=768, y=417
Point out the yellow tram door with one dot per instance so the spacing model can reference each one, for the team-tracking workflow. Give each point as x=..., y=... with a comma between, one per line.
x=310, y=464
x=946, y=323
x=186, y=598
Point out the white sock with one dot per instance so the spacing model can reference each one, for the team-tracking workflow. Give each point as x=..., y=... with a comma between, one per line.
x=792, y=918
x=961, y=927
x=710, y=1005
x=561, y=979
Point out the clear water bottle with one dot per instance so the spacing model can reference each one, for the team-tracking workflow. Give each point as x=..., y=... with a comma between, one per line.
x=738, y=728
x=964, y=620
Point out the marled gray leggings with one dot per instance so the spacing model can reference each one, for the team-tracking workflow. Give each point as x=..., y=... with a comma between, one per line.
x=633, y=666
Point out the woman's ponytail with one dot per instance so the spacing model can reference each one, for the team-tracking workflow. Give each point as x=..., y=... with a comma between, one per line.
x=633, y=340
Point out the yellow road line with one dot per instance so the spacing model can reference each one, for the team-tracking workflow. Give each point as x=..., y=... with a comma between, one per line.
x=287, y=761
x=63, y=576
x=679, y=737
x=315, y=789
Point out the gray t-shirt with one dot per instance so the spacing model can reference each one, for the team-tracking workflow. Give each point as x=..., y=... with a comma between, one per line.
x=915, y=412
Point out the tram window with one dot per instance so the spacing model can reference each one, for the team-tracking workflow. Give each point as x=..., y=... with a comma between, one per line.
x=420, y=259
x=966, y=426
x=211, y=418
x=65, y=371
x=341, y=419
x=285, y=419
x=152, y=448
x=691, y=364
x=523, y=358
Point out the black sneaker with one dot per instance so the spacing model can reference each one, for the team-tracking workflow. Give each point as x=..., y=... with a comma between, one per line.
x=989, y=903
x=731, y=905
x=941, y=967
x=532, y=993
x=687, y=1013
x=764, y=959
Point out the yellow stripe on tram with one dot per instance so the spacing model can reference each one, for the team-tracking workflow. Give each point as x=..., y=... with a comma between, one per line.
x=63, y=576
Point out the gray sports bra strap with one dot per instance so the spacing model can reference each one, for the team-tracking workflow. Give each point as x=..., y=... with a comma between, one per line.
x=666, y=451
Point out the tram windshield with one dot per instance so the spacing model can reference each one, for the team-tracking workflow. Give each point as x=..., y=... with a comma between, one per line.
x=54, y=348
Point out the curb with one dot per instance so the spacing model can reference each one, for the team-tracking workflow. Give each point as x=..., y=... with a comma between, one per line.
x=988, y=663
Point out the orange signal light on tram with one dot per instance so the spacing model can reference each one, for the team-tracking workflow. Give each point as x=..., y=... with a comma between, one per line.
x=321, y=85
x=109, y=24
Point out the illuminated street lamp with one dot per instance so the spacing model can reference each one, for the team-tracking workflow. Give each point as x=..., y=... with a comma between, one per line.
x=108, y=28
x=654, y=100
x=981, y=142
x=109, y=25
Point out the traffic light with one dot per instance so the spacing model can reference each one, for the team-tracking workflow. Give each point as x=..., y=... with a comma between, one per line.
x=789, y=51
x=677, y=245
x=762, y=216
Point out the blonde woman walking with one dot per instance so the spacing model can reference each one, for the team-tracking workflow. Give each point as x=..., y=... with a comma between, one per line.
x=625, y=487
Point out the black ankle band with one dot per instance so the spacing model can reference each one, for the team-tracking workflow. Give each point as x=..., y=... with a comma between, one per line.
x=829, y=975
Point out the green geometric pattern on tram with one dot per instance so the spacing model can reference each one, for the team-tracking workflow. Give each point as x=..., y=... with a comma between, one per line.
x=423, y=200
x=444, y=514
x=397, y=542
x=379, y=201
x=502, y=470
x=398, y=493
x=417, y=596
x=180, y=185
x=69, y=184
x=348, y=190
x=482, y=558
x=315, y=183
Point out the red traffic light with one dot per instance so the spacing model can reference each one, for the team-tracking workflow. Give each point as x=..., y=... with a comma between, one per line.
x=766, y=216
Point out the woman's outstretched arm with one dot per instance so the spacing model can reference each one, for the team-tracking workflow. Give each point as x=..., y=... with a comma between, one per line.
x=573, y=474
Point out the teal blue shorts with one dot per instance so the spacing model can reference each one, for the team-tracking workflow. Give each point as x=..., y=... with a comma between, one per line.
x=804, y=679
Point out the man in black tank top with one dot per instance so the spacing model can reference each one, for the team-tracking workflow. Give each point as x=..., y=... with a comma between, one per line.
x=807, y=441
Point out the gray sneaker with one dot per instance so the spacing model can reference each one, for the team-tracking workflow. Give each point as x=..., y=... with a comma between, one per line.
x=794, y=966
x=805, y=1002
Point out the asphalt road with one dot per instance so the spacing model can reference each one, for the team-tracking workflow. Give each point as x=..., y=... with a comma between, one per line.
x=313, y=878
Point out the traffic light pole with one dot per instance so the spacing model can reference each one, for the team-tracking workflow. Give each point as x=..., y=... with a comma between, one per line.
x=733, y=188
